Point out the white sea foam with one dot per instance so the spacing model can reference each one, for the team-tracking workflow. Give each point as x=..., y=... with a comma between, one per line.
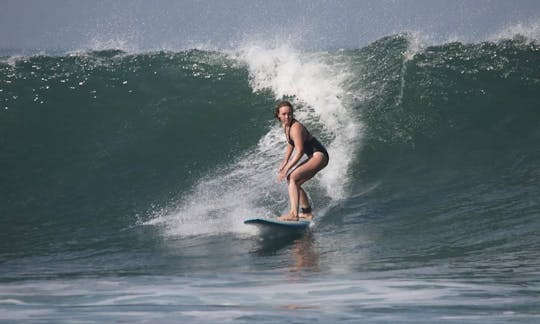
x=318, y=85
x=11, y=301
x=530, y=30
x=248, y=187
x=222, y=297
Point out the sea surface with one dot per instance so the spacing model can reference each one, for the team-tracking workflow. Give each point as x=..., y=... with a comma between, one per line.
x=125, y=179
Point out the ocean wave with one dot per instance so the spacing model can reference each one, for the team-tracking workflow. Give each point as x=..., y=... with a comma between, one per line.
x=176, y=137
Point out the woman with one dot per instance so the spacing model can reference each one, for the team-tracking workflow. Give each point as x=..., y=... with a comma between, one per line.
x=302, y=142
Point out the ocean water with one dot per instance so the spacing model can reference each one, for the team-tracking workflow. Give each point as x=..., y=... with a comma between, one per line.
x=126, y=177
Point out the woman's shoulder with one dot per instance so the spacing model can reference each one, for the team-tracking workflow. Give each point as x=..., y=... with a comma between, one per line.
x=298, y=128
x=296, y=125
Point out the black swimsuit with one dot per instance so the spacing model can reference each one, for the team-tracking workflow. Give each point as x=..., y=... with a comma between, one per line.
x=311, y=145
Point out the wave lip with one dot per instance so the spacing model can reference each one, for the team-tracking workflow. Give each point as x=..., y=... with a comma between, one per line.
x=529, y=31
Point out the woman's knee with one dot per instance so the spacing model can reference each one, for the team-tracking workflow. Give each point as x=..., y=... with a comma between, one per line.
x=293, y=180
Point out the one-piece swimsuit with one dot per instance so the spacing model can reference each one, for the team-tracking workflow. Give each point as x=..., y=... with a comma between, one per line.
x=311, y=144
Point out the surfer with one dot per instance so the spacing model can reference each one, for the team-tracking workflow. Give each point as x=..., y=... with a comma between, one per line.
x=302, y=142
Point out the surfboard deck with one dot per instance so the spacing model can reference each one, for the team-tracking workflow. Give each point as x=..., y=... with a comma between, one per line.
x=278, y=224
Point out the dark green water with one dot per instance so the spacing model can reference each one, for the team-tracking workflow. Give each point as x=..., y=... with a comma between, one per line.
x=125, y=179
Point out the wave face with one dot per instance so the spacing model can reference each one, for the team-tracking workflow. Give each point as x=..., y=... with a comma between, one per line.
x=439, y=140
x=450, y=150
x=449, y=110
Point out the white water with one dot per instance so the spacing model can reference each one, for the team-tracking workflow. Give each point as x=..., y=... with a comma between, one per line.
x=248, y=187
x=270, y=298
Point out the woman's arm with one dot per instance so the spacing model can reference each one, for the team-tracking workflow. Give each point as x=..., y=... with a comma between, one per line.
x=287, y=157
x=297, y=136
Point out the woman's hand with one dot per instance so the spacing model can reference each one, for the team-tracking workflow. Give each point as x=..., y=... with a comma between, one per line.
x=282, y=172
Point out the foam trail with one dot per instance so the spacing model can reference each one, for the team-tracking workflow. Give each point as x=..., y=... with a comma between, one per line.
x=248, y=187
x=221, y=200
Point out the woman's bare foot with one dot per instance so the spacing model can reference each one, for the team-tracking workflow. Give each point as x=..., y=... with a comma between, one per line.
x=306, y=216
x=290, y=217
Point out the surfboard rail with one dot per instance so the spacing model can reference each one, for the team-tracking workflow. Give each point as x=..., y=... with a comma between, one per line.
x=279, y=224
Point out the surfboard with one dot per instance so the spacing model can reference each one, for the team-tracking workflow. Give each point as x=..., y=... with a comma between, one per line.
x=267, y=223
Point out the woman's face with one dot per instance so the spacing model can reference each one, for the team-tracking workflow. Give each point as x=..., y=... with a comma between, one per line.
x=285, y=115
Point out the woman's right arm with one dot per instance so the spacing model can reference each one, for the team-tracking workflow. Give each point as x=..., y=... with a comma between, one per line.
x=287, y=157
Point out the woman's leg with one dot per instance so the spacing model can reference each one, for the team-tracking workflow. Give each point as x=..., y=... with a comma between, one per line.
x=301, y=174
x=304, y=200
x=305, y=206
